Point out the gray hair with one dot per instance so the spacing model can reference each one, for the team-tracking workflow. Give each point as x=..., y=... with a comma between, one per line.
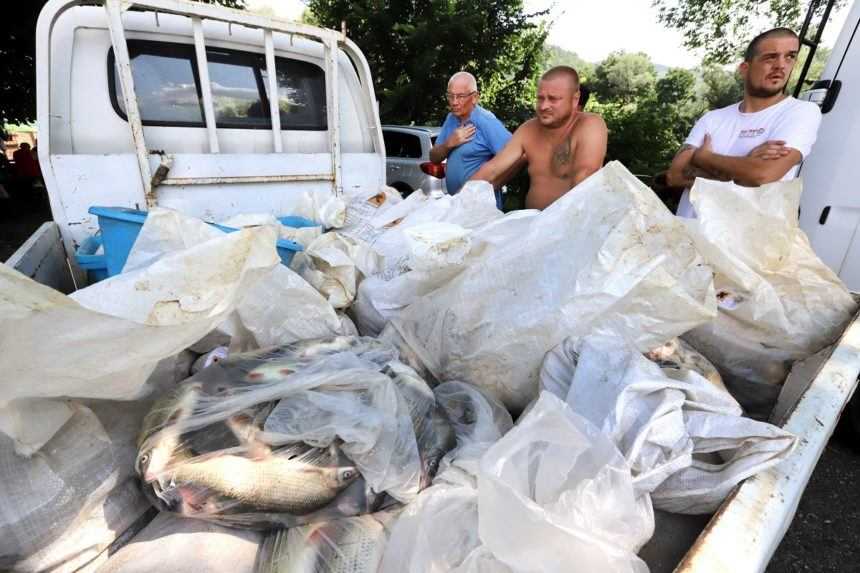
x=473, y=83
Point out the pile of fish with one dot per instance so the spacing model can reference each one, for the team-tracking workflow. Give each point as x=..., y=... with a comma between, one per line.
x=302, y=433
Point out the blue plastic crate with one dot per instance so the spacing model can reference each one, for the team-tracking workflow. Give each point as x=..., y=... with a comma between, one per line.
x=120, y=226
x=95, y=265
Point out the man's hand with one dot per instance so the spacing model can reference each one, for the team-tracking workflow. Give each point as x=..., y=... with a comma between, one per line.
x=770, y=150
x=461, y=135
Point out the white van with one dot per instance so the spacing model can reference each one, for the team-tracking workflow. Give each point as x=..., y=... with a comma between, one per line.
x=830, y=204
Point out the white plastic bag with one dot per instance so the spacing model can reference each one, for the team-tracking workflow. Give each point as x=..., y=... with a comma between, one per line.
x=555, y=491
x=104, y=341
x=178, y=545
x=335, y=264
x=606, y=256
x=424, y=250
x=280, y=308
x=777, y=301
x=64, y=506
x=684, y=438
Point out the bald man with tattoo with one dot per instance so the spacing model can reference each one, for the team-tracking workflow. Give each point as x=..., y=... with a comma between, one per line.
x=561, y=145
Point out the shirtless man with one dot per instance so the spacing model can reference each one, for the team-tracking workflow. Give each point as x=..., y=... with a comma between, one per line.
x=562, y=146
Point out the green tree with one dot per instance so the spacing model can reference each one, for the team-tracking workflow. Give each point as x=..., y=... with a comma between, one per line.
x=414, y=47
x=556, y=56
x=721, y=87
x=723, y=29
x=676, y=87
x=18, y=54
x=624, y=77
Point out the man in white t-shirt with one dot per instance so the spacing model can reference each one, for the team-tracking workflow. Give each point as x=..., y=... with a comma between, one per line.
x=759, y=140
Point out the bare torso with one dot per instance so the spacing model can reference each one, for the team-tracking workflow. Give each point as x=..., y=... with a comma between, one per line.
x=550, y=155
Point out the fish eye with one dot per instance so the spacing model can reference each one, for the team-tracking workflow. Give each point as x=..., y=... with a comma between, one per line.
x=347, y=474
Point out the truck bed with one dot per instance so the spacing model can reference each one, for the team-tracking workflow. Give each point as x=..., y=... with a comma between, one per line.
x=746, y=530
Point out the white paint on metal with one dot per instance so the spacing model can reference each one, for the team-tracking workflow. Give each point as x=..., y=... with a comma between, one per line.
x=205, y=85
x=120, y=48
x=247, y=179
x=333, y=111
x=744, y=533
x=274, y=95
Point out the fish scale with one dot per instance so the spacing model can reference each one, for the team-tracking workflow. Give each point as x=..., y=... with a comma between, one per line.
x=272, y=484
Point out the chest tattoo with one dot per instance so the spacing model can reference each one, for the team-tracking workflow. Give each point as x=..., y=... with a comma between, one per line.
x=560, y=157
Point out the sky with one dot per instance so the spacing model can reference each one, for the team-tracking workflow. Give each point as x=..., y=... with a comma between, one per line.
x=594, y=29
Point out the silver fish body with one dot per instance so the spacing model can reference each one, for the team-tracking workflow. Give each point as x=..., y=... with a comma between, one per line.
x=276, y=483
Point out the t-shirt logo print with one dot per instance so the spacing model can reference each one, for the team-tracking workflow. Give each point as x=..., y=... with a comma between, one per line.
x=752, y=132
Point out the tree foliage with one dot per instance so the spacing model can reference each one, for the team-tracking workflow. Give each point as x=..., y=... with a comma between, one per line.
x=414, y=47
x=624, y=77
x=556, y=56
x=721, y=87
x=647, y=118
x=18, y=54
x=721, y=30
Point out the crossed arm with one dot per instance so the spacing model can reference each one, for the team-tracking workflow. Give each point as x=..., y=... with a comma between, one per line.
x=766, y=163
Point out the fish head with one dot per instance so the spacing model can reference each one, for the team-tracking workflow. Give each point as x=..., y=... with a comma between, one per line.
x=344, y=476
x=155, y=456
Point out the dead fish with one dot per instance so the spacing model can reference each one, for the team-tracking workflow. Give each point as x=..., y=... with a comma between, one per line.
x=160, y=438
x=434, y=433
x=276, y=483
x=677, y=355
x=349, y=545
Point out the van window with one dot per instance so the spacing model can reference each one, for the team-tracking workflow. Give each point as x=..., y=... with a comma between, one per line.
x=169, y=94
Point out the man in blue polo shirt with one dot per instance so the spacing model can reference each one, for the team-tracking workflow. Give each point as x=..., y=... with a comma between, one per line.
x=470, y=136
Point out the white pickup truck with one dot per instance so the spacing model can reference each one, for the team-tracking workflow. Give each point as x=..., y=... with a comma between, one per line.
x=171, y=104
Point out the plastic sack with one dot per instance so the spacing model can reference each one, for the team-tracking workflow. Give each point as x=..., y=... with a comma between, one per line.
x=280, y=308
x=63, y=507
x=777, y=301
x=352, y=544
x=335, y=264
x=104, y=341
x=607, y=256
x=684, y=438
x=306, y=432
x=556, y=491
x=553, y=491
x=423, y=250
x=170, y=543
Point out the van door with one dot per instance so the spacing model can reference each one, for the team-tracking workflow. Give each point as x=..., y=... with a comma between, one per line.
x=830, y=204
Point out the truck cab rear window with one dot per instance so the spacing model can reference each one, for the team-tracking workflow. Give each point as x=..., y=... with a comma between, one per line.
x=168, y=89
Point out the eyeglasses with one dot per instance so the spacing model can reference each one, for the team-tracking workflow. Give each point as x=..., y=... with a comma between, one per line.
x=459, y=97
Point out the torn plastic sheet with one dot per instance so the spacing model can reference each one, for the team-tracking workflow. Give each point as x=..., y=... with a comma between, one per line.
x=684, y=438
x=105, y=340
x=607, y=256
x=777, y=301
